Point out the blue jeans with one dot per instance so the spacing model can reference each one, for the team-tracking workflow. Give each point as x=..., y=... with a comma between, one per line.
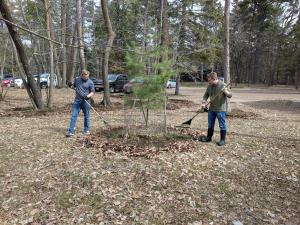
x=212, y=115
x=77, y=105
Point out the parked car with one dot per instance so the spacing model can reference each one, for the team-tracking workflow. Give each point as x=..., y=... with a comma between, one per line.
x=116, y=82
x=137, y=81
x=7, y=81
x=19, y=82
x=45, y=80
x=171, y=83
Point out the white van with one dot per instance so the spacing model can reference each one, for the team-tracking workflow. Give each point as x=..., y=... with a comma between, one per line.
x=45, y=80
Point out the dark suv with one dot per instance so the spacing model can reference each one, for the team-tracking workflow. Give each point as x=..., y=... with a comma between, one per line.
x=116, y=82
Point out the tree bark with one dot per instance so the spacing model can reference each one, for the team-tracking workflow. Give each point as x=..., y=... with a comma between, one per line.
x=32, y=85
x=110, y=38
x=3, y=59
x=164, y=30
x=49, y=28
x=226, y=45
x=55, y=55
x=80, y=35
x=182, y=37
x=73, y=56
x=297, y=75
x=63, y=40
x=21, y=71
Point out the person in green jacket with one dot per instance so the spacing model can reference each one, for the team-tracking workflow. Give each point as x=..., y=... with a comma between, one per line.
x=218, y=94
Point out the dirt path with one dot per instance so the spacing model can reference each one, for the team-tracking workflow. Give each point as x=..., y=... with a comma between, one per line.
x=245, y=94
x=48, y=179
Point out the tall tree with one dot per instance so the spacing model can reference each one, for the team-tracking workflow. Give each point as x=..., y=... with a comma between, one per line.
x=3, y=58
x=80, y=34
x=110, y=38
x=181, y=40
x=226, y=43
x=63, y=41
x=297, y=61
x=164, y=24
x=49, y=28
x=33, y=89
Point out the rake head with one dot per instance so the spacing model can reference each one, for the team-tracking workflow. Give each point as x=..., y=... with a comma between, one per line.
x=186, y=124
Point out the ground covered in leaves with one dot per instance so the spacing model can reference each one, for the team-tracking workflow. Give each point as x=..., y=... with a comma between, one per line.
x=111, y=178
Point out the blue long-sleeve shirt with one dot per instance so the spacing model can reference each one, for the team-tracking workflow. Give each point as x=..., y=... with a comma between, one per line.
x=83, y=88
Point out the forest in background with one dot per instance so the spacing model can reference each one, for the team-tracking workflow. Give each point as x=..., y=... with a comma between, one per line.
x=264, y=37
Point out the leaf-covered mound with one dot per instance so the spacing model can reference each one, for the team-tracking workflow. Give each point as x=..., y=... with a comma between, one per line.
x=174, y=104
x=115, y=140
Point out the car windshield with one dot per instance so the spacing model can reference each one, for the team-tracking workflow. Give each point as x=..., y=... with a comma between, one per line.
x=112, y=77
x=7, y=76
x=44, y=75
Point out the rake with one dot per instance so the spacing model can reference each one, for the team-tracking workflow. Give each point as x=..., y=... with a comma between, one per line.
x=188, y=123
x=101, y=117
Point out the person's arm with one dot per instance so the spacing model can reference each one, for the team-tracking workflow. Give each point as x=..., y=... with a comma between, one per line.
x=227, y=93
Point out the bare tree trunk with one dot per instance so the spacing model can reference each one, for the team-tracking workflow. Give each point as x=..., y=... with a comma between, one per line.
x=98, y=66
x=226, y=45
x=63, y=40
x=55, y=56
x=164, y=30
x=49, y=27
x=33, y=87
x=297, y=79
x=3, y=59
x=110, y=38
x=39, y=61
x=201, y=73
x=182, y=38
x=272, y=63
x=80, y=36
x=72, y=57
x=297, y=73
x=21, y=71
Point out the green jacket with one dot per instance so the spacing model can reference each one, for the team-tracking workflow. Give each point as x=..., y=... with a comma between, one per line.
x=219, y=103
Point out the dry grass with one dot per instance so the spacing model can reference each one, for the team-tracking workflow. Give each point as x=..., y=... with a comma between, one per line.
x=48, y=179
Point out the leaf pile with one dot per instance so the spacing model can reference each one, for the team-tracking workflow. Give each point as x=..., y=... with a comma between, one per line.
x=111, y=178
x=28, y=112
x=239, y=113
x=177, y=140
x=174, y=104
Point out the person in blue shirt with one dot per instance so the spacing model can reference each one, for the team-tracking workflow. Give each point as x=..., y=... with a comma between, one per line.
x=85, y=89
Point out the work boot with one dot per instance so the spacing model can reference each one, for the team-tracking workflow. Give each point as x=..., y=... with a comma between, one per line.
x=210, y=133
x=223, y=137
